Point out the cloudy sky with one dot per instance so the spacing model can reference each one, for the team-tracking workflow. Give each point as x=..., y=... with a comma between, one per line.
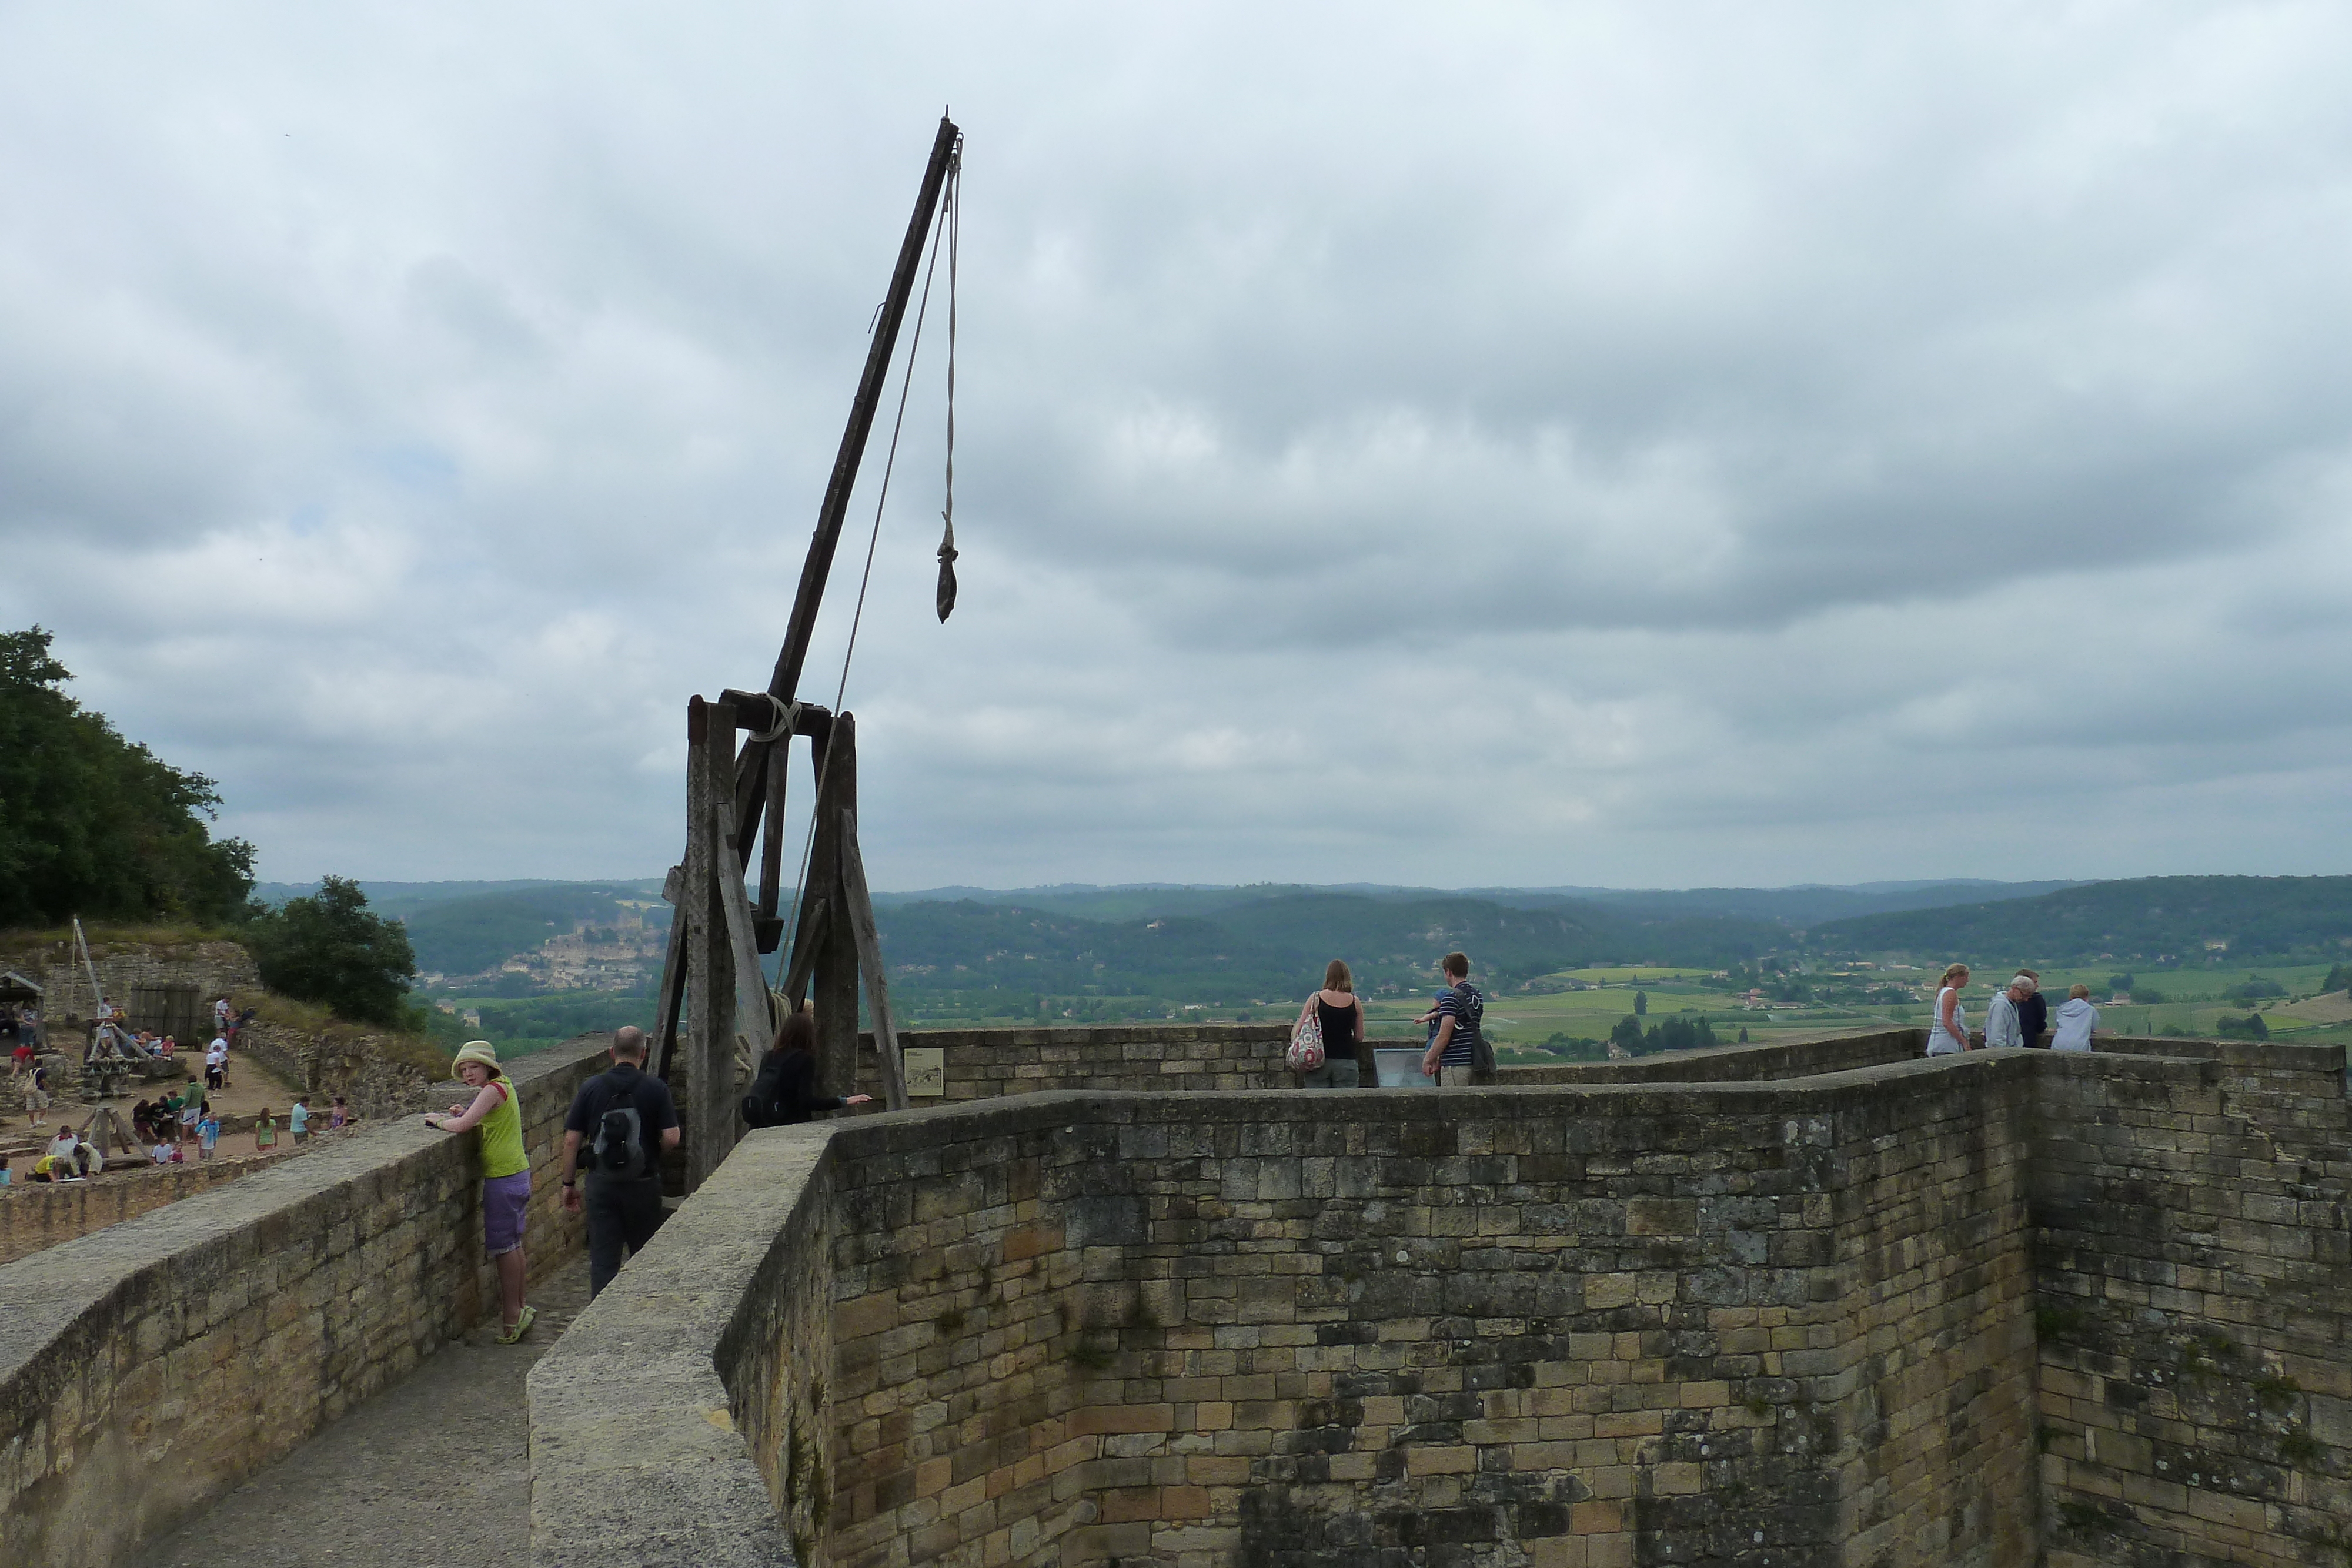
x=1647, y=445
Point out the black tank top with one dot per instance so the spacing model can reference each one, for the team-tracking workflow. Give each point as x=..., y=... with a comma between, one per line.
x=1338, y=1030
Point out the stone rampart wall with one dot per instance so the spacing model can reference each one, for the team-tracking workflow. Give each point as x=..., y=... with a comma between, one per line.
x=989, y=1063
x=346, y=1062
x=1791, y=1320
x=1930, y=1383
x=215, y=968
x=2195, y=1307
x=1773, y=1062
x=148, y=1367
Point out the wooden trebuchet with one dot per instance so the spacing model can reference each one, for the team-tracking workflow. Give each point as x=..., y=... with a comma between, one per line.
x=711, y=992
x=860, y=906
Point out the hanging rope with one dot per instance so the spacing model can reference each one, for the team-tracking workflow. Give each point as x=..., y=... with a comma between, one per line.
x=944, y=600
x=873, y=537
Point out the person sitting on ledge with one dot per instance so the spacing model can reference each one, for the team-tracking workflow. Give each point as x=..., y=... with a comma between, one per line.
x=784, y=1094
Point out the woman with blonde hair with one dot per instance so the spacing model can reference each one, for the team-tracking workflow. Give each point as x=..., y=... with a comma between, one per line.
x=1341, y=1015
x=1947, y=1033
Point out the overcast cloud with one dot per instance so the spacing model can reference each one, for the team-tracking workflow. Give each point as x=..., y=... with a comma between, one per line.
x=1642, y=445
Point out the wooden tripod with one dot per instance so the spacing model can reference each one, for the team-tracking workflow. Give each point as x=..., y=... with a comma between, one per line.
x=717, y=1013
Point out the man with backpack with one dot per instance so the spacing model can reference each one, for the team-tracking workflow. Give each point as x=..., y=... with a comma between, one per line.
x=1458, y=1046
x=625, y=1118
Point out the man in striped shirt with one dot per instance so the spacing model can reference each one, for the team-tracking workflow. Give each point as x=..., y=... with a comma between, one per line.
x=1458, y=1013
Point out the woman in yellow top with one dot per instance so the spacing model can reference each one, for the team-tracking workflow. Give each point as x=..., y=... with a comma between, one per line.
x=506, y=1174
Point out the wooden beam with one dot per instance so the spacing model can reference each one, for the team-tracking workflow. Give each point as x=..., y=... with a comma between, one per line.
x=673, y=981
x=835, y=976
x=868, y=937
x=750, y=774
x=771, y=854
x=708, y=1107
x=805, y=942
x=755, y=1023
x=755, y=712
x=785, y=682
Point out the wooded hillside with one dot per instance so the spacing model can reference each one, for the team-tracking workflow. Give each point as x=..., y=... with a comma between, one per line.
x=2146, y=919
x=94, y=824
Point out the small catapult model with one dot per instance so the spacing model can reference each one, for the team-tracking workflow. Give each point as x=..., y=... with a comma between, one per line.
x=713, y=992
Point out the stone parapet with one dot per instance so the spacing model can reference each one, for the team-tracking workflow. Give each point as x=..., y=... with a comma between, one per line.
x=1801, y=1316
x=150, y=1367
x=989, y=1063
x=2192, y=1231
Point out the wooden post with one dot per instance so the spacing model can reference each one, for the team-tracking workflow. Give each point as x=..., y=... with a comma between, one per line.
x=837, y=945
x=708, y=1106
x=806, y=940
x=769, y=928
x=672, y=994
x=868, y=937
x=755, y=1026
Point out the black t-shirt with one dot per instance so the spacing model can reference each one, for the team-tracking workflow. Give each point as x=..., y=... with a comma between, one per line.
x=786, y=1089
x=624, y=1083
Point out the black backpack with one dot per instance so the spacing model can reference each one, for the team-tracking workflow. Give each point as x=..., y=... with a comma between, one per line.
x=620, y=1147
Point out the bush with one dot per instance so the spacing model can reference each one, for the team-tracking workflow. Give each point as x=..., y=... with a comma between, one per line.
x=2339, y=979
x=2119, y=985
x=327, y=948
x=1674, y=1034
x=2251, y=1027
x=2255, y=990
x=1574, y=1048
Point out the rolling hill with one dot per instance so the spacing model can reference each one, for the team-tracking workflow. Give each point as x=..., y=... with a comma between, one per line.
x=2183, y=919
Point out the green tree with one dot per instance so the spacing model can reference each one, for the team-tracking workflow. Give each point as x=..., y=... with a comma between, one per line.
x=93, y=824
x=1641, y=1004
x=2338, y=978
x=327, y=948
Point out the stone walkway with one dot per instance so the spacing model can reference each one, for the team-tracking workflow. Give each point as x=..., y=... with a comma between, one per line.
x=432, y=1473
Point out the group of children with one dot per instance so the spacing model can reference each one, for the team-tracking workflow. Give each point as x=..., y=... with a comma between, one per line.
x=188, y=1116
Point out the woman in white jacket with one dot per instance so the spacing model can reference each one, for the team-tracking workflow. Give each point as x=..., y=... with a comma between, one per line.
x=2076, y=1017
x=1948, y=1031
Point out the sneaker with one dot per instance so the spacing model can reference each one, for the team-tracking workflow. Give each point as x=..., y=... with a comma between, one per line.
x=521, y=1327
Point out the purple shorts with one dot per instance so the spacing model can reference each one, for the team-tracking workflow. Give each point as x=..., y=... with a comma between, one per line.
x=504, y=1198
